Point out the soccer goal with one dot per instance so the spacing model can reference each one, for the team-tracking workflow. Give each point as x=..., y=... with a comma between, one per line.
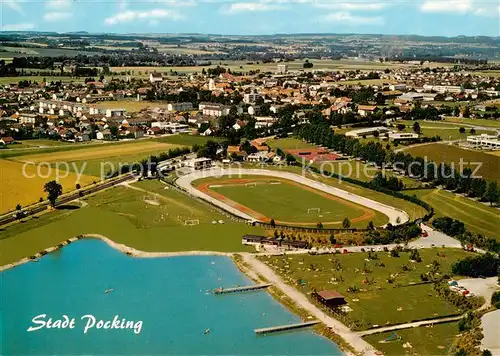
x=251, y=184
x=191, y=222
x=313, y=210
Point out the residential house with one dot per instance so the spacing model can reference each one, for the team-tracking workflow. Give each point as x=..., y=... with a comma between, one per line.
x=155, y=77
x=180, y=106
x=365, y=110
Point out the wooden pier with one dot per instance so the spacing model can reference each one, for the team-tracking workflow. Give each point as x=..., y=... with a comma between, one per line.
x=274, y=329
x=241, y=289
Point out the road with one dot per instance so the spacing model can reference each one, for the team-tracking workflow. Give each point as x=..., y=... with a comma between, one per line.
x=396, y=216
x=414, y=324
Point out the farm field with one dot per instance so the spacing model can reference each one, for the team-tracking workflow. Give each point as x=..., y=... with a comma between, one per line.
x=476, y=216
x=39, y=78
x=24, y=189
x=402, y=301
x=427, y=340
x=479, y=122
x=452, y=154
x=287, y=202
x=129, y=105
x=187, y=140
x=448, y=131
x=37, y=143
x=245, y=66
x=290, y=143
x=94, y=152
x=122, y=215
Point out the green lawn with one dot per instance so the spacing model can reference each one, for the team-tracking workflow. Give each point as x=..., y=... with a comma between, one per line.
x=479, y=122
x=414, y=210
x=476, y=216
x=290, y=143
x=121, y=214
x=380, y=302
x=38, y=79
x=187, y=140
x=450, y=154
x=40, y=143
x=425, y=340
x=285, y=201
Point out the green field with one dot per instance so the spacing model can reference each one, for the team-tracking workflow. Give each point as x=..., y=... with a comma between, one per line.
x=425, y=340
x=478, y=122
x=452, y=155
x=400, y=301
x=476, y=216
x=415, y=211
x=448, y=131
x=122, y=215
x=285, y=201
x=187, y=140
x=38, y=79
x=290, y=143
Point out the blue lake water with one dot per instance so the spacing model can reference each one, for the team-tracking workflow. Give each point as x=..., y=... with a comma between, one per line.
x=167, y=294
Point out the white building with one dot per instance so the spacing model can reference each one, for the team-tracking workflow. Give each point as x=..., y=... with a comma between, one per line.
x=199, y=163
x=115, y=112
x=484, y=141
x=251, y=98
x=397, y=87
x=27, y=118
x=155, y=77
x=282, y=68
x=179, y=106
x=264, y=121
x=367, y=131
x=399, y=136
x=443, y=88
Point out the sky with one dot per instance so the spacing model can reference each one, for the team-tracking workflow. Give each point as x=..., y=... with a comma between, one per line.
x=255, y=17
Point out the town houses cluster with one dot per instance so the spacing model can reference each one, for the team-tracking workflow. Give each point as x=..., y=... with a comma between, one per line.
x=197, y=103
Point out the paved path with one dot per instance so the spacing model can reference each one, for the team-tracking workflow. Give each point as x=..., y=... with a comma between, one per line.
x=396, y=216
x=490, y=323
x=409, y=325
x=355, y=340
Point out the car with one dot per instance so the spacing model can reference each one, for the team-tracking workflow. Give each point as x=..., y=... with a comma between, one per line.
x=425, y=234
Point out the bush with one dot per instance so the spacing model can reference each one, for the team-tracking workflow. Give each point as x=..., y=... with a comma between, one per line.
x=482, y=265
x=495, y=299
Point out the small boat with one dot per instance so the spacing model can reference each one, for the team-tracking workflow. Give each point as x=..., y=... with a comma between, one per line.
x=207, y=331
x=108, y=290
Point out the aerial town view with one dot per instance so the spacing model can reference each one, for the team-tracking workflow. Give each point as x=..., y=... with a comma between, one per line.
x=254, y=177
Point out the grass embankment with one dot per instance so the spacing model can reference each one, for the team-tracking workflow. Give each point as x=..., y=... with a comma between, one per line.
x=488, y=164
x=121, y=214
x=477, y=217
x=364, y=283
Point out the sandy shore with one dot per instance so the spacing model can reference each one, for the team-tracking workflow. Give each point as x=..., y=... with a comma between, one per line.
x=130, y=251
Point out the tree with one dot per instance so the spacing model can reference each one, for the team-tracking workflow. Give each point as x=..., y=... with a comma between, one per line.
x=472, y=131
x=346, y=223
x=319, y=225
x=114, y=131
x=371, y=226
x=53, y=190
x=272, y=223
x=77, y=186
x=461, y=130
x=333, y=240
x=18, y=207
x=416, y=127
x=492, y=194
